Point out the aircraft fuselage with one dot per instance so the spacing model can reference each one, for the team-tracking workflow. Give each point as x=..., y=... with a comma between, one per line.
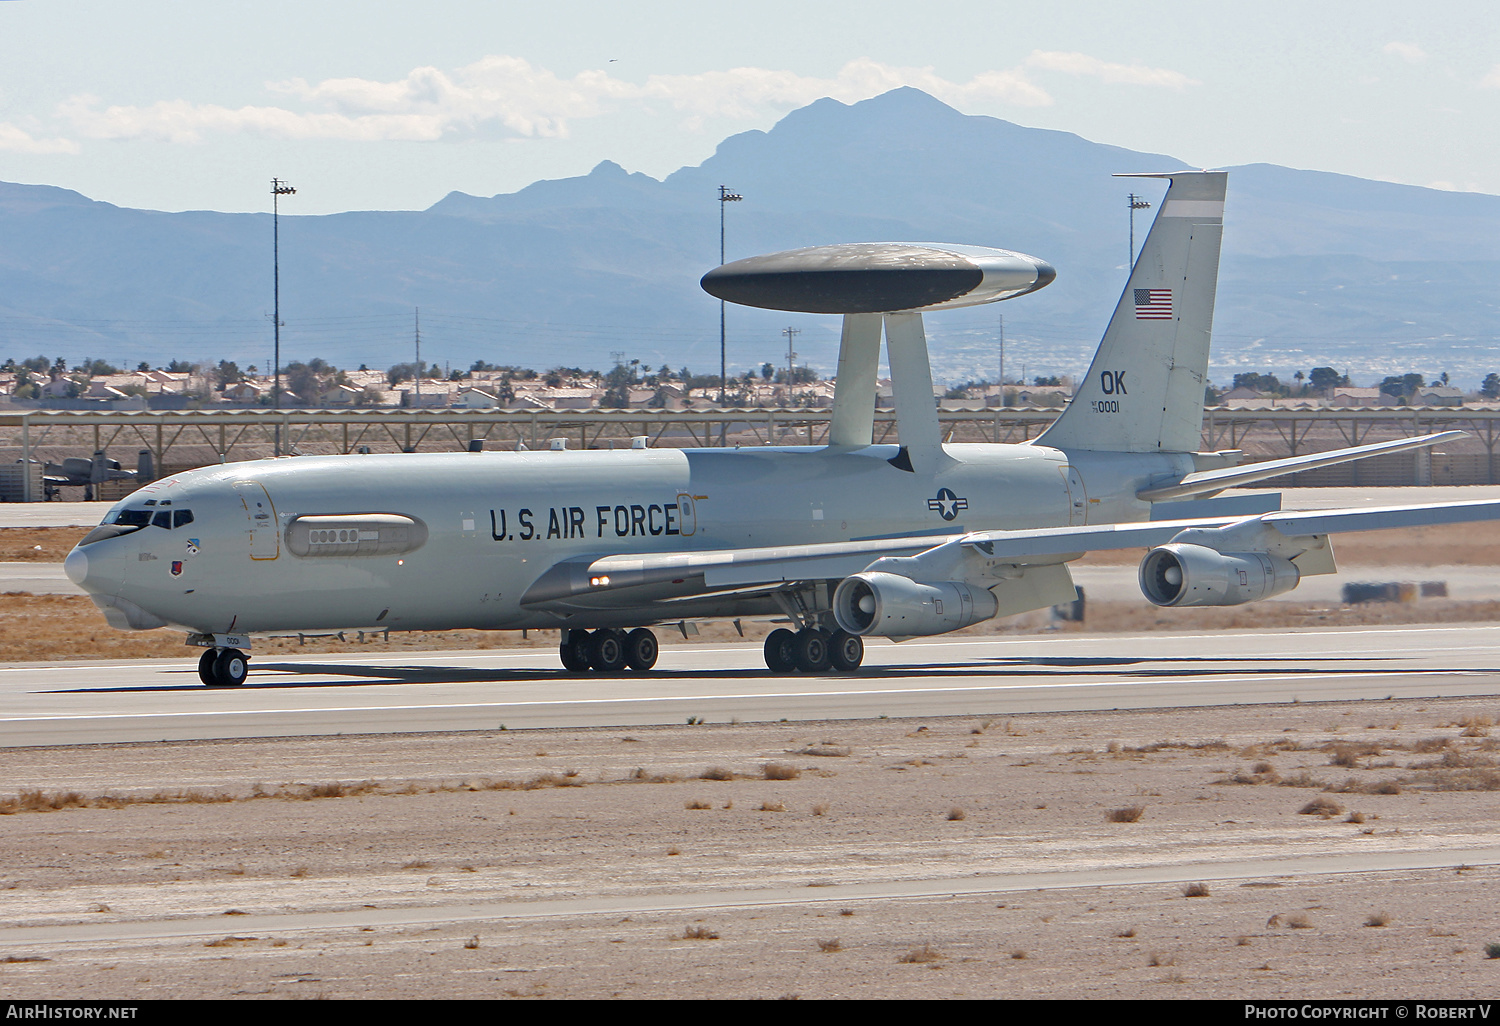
x=492, y=523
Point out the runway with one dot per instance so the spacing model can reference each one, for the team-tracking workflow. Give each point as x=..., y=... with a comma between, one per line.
x=154, y=700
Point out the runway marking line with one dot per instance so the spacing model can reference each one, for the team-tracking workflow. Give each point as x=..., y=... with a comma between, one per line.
x=542, y=703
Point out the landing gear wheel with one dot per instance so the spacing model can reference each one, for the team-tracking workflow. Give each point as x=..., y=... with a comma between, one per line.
x=574, y=651
x=607, y=650
x=812, y=651
x=846, y=651
x=641, y=649
x=206, y=667
x=781, y=651
x=230, y=668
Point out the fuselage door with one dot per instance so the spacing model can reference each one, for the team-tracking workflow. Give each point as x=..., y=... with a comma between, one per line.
x=265, y=535
x=1078, y=498
x=687, y=515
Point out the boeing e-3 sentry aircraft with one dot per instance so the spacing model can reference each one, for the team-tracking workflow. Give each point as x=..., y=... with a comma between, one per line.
x=843, y=541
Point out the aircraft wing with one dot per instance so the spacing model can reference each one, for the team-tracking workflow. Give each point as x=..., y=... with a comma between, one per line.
x=1050, y=545
x=939, y=557
x=720, y=568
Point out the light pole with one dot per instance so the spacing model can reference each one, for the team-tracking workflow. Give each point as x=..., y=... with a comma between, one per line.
x=1136, y=203
x=278, y=190
x=725, y=196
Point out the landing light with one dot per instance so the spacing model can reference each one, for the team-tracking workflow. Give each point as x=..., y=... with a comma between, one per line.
x=599, y=582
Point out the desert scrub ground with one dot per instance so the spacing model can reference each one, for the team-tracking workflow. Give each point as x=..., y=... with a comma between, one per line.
x=236, y=830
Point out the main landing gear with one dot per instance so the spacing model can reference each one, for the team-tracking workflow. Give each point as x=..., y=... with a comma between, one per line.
x=223, y=667
x=609, y=650
x=812, y=650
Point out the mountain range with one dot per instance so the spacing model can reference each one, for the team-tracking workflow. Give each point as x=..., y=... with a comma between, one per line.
x=1318, y=269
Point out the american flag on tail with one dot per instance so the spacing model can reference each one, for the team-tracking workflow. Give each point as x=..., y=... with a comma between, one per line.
x=1153, y=304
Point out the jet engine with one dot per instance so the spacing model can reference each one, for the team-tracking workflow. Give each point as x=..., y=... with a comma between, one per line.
x=874, y=603
x=1182, y=574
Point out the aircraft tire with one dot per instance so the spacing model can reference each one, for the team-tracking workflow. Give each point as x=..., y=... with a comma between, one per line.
x=574, y=651
x=231, y=668
x=607, y=650
x=846, y=651
x=812, y=651
x=781, y=651
x=206, y=667
x=641, y=649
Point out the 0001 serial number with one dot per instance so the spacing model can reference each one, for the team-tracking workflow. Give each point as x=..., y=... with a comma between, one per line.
x=1105, y=405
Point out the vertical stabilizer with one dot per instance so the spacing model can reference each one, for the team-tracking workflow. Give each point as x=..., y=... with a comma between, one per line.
x=1144, y=390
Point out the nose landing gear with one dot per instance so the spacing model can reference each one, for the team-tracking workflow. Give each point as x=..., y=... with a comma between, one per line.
x=223, y=667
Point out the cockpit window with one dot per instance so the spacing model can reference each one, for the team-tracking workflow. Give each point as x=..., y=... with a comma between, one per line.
x=163, y=519
x=181, y=517
x=133, y=517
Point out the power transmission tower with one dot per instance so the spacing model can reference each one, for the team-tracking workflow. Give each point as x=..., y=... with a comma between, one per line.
x=1136, y=203
x=791, y=335
x=725, y=196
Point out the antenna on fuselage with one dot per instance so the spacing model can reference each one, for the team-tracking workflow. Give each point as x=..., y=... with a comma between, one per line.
x=881, y=286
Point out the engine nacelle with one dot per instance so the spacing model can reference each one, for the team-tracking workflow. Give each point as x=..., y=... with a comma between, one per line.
x=1181, y=574
x=891, y=605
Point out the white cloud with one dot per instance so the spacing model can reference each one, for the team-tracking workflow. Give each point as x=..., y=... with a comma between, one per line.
x=1492, y=80
x=1121, y=74
x=518, y=99
x=1408, y=52
x=16, y=140
x=179, y=121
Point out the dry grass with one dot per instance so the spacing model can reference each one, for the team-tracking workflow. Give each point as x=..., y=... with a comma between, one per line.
x=1476, y=726
x=1321, y=807
x=830, y=945
x=1195, y=890
x=826, y=750
x=696, y=805
x=955, y=814
x=1378, y=919
x=717, y=773
x=1129, y=814
x=921, y=955
x=771, y=807
x=1303, y=779
x=699, y=933
x=41, y=544
x=780, y=771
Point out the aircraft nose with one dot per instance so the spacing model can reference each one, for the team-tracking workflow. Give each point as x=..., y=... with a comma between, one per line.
x=98, y=569
x=76, y=566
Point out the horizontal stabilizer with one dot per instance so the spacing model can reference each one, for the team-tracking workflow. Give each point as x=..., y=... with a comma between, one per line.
x=1209, y=481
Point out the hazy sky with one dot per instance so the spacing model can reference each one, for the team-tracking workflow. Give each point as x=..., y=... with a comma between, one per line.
x=381, y=105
